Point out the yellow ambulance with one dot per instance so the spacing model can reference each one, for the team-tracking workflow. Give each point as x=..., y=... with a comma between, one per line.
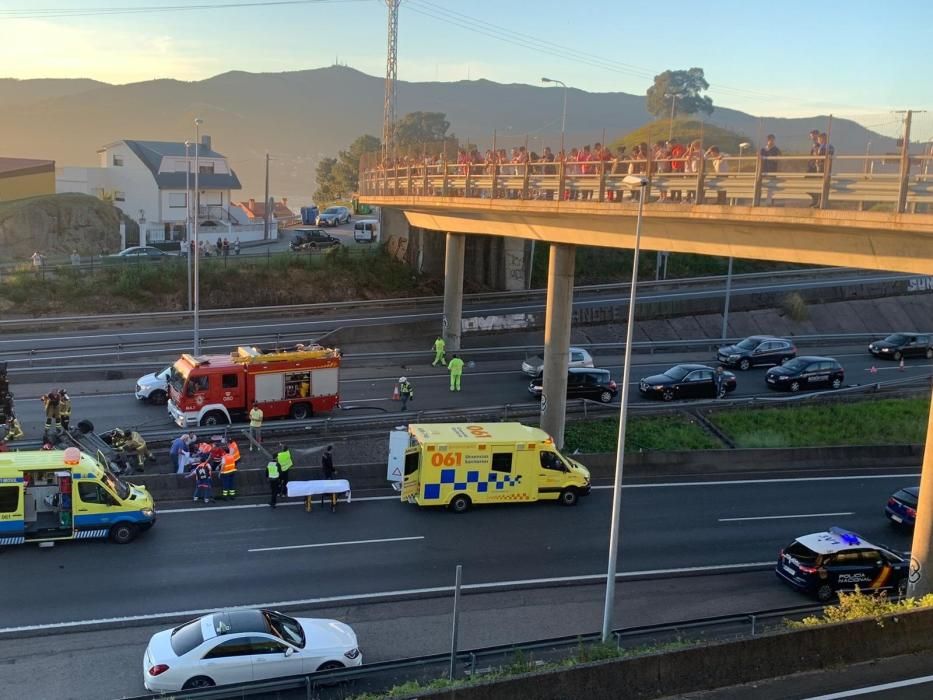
x=459, y=465
x=52, y=495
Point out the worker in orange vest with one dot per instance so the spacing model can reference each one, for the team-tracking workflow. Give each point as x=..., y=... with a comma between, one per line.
x=228, y=464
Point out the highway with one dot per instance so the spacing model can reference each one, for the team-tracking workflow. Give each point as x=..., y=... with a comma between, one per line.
x=198, y=559
x=110, y=404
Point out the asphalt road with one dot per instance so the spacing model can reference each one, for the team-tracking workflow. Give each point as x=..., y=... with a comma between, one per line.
x=110, y=404
x=207, y=557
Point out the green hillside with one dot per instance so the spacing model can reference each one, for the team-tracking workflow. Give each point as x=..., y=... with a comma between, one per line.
x=686, y=130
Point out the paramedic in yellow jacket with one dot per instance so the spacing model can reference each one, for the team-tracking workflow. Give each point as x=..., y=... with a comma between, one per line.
x=456, y=369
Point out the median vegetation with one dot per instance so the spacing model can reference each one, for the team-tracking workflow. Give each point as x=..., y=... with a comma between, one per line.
x=871, y=422
x=245, y=280
x=862, y=606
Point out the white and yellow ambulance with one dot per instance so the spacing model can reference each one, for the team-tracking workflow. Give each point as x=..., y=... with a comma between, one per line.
x=459, y=465
x=52, y=495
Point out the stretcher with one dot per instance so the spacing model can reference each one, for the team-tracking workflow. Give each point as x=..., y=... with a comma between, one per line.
x=323, y=487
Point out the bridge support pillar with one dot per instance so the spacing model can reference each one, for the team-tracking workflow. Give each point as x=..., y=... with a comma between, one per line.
x=557, y=340
x=920, y=580
x=453, y=290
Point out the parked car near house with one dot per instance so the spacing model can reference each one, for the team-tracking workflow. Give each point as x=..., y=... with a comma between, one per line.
x=333, y=216
x=140, y=253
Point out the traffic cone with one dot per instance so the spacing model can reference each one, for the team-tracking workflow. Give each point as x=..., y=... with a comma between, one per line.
x=395, y=395
x=900, y=367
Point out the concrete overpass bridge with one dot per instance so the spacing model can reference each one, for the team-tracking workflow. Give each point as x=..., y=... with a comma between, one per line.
x=831, y=210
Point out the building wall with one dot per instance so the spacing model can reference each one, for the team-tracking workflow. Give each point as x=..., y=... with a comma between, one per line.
x=131, y=184
x=22, y=186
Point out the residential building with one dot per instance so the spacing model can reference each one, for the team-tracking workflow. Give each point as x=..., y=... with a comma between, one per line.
x=251, y=212
x=148, y=181
x=25, y=177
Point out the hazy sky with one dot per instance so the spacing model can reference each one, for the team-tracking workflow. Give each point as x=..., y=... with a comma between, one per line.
x=850, y=57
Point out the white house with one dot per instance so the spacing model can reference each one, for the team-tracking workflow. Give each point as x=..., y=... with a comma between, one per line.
x=147, y=180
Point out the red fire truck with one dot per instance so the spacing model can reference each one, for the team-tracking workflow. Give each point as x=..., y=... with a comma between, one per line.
x=220, y=389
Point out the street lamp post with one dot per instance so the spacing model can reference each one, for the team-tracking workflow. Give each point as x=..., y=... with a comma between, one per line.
x=563, y=128
x=188, y=252
x=197, y=253
x=632, y=182
x=672, y=96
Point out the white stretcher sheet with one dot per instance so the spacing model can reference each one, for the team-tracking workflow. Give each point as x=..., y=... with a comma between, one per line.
x=319, y=486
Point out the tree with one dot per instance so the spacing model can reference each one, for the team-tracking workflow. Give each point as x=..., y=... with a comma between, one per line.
x=418, y=128
x=686, y=85
x=339, y=177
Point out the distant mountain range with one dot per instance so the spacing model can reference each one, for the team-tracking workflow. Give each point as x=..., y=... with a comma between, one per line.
x=302, y=116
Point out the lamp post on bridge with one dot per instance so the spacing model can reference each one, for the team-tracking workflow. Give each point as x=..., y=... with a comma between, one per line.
x=563, y=129
x=672, y=96
x=632, y=182
x=196, y=301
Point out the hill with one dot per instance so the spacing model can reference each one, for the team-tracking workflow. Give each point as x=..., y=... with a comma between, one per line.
x=301, y=116
x=685, y=131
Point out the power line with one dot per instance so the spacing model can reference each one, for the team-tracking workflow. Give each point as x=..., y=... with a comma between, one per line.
x=59, y=13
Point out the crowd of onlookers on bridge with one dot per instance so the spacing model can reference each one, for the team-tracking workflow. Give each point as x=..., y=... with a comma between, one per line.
x=669, y=158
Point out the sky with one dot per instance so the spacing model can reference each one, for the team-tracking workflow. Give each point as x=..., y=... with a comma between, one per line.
x=790, y=58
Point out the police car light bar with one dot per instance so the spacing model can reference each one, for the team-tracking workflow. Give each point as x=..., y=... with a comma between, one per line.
x=846, y=536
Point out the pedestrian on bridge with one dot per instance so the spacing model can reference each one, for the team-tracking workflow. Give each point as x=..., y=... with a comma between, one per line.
x=456, y=369
x=406, y=391
x=255, y=426
x=439, y=348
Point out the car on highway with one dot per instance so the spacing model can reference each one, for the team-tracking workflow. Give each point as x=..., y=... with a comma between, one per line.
x=333, y=216
x=579, y=357
x=582, y=383
x=684, y=382
x=153, y=387
x=900, y=345
x=756, y=350
x=901, y=507
x=312, y=239
x=823, y=563
x=138, y=253
x=806, y=372
x=239, y=646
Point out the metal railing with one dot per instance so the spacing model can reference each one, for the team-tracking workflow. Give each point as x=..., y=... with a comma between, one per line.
x=524, y=656
x=836, y=181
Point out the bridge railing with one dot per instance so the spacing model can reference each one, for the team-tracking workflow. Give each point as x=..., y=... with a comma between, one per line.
x=855, y=182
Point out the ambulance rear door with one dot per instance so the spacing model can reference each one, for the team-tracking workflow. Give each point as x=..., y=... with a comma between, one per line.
x=12, y=524
x=411, y=483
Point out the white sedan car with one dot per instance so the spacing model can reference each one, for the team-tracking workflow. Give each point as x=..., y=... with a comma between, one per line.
x=238, y=646
x=153, y=387
x=578, y=358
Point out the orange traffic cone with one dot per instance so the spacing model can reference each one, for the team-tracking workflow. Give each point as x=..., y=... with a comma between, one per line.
x=901, y=366
x=395, y=395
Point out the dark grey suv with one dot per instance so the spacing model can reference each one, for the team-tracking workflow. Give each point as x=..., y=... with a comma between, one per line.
x=756, y=350
x=583, y=383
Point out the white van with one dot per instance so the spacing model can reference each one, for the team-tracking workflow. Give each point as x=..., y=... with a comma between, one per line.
x=366, y=231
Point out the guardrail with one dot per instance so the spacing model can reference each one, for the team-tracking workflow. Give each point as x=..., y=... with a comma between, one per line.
x=476, y=663
x=483, y=297
x=819, y=181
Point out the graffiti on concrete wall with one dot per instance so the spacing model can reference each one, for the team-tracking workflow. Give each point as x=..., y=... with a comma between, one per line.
x=920, y=284
x=597, y=314
x=497, y=323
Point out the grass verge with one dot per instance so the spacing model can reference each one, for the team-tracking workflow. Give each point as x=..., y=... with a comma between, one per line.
x=674, y=432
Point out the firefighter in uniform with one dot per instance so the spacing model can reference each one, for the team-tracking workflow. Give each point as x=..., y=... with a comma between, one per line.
x=52, y=403
x=272, y=470
x=284, y=459
x=64, y=408
x=14, y=430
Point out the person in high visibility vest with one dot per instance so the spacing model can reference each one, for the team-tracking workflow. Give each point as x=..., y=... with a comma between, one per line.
x=439, y=348
x=456, y=369
x=284, y=459
x=272, y=471
x=228, y=477
x=64, y=408
x=13, y=429
x=255, y=425
x=406, y=391
x=52, y=404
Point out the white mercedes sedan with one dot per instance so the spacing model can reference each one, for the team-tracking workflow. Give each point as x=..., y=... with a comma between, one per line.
x=238, y=646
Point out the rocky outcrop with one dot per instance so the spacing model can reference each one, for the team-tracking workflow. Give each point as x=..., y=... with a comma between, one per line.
x=59, y=223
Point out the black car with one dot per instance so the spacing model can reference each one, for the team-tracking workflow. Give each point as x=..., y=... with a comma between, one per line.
x=824, y=563
x=901, y=507
x=900, y=345
x=313, y=238
x=583, y=383
x=806, y=373
x=756, y=350
x=685, y=382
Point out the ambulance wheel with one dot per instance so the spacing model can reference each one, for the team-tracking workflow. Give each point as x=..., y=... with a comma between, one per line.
x=569, y=497
x=122, y=533
x=198, y=682
x=460, y=503
x=214, y=418
x=825, y=593
x=300, y=411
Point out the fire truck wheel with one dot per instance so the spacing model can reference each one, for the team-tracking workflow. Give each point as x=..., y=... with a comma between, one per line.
x=214, y=418
x=300, y=411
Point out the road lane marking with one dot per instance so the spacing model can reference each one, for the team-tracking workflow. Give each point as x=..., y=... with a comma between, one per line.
x=363, y=597
x=335, y=544
x=735, y=482
x=867, y=690
x=783, y=517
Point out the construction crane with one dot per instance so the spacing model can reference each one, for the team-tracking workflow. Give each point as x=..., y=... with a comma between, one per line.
x=388, y=123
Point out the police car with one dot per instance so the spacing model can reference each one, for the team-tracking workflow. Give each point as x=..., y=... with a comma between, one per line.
x=823, y=563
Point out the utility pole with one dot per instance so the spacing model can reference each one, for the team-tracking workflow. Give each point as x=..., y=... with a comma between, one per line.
x=188, y=252
x=390, y=105
x=265, y=206
x=196, y=305
x=905, y=165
